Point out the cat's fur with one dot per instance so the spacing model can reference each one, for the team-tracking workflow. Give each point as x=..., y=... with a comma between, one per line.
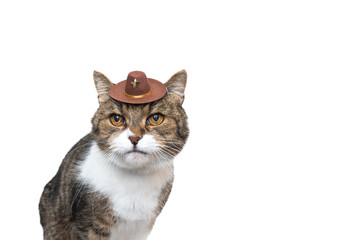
x=103, y=192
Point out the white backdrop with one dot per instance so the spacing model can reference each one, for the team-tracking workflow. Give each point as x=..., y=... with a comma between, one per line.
x=272, y=98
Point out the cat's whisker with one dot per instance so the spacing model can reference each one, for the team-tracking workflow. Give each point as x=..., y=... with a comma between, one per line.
x=81, y=184
x=164, y=151
x=167, y=154
x=160, y=156
x=86, y=144
x=171, y=149
x=172, y=142
x=175, y=147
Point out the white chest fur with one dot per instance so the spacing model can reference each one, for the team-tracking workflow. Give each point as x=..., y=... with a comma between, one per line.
x=134, y=196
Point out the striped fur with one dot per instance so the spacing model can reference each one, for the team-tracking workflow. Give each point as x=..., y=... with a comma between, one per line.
x=73, y=207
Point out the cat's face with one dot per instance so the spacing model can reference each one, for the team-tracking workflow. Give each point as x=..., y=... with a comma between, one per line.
x=141, y=136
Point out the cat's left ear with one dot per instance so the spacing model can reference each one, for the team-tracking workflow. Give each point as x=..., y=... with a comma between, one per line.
x=176, y=85
x=103, y=85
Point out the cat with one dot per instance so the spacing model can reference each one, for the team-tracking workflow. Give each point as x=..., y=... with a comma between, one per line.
x=102, y=190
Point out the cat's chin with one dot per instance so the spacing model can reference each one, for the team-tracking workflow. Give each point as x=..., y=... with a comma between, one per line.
x=134, y=160
x=137, y=159
x=141, y=162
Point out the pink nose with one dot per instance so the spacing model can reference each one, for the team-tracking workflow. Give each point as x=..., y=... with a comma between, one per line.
x=134, y=140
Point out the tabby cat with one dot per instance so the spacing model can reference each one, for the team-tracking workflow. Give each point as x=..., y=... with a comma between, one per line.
x=115, y=181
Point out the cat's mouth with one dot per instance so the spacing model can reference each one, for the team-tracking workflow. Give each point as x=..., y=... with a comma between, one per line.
x=136, y=151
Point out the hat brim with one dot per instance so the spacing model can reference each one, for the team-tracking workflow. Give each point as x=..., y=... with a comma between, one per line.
x=157, y=91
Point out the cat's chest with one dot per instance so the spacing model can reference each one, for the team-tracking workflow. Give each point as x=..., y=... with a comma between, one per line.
x=134, y=197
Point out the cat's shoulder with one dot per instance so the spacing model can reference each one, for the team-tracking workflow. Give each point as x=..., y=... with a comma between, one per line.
x=81, y=147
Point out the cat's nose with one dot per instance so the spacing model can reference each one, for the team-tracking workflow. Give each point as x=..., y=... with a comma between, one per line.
x=134, y=139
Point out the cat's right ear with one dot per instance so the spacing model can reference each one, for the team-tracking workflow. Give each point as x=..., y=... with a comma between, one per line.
x=103, y=85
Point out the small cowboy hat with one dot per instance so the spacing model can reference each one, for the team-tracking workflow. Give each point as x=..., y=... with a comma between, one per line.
x=137, y=89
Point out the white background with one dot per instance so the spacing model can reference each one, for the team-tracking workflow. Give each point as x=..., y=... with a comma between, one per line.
x=272, y=99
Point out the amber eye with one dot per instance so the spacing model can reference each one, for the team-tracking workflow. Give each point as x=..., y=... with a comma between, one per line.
x=155, y=119
x=117, y=120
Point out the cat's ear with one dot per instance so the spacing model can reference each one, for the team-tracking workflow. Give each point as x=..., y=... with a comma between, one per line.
x=103, y=85
x=176, y=85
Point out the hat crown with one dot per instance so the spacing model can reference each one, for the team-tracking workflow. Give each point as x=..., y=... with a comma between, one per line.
x=137, y=84
x=138, y=89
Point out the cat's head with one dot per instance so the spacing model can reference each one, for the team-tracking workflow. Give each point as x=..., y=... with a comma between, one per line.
x=141, y=136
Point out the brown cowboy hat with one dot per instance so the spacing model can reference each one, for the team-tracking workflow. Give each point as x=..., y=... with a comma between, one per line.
x=137, y=89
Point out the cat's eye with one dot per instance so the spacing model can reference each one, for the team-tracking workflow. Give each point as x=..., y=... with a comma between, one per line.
x=117, y=120
x=155, y=119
